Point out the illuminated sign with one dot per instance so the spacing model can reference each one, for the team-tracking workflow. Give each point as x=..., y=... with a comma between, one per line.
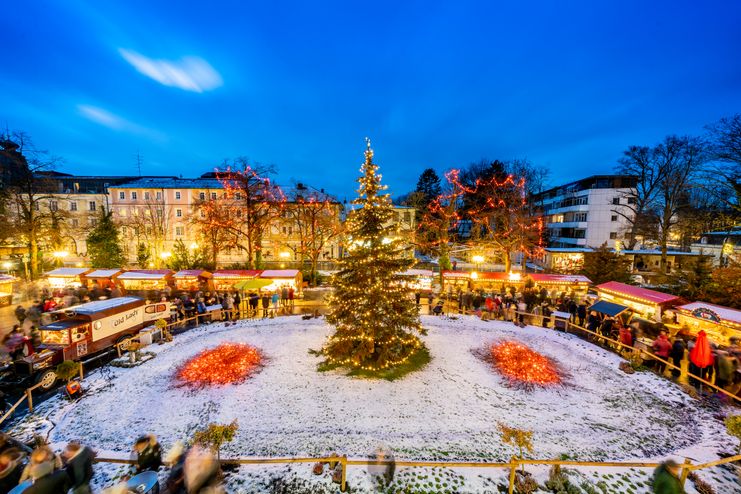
x=706, y=314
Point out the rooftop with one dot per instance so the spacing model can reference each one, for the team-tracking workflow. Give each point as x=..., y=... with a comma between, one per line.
x=637, y=292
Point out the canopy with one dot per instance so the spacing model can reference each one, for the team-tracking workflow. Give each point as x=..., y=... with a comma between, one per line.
x=701, y=354
x=255, y=284
x=608, y=308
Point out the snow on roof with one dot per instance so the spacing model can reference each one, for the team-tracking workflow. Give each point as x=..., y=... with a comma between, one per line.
x=418, y=272
x=279, y=273
x=66, y=272
x=236, y=273
x=725, y=313
x=637, y=292
x=566, y=250
x=658, y=253
x=192, y=273
x=559, y=278
x=146, y=274
x=6, y=278
x=171, y=183
x=100, y=305
x=103, y=273
x=456, y=274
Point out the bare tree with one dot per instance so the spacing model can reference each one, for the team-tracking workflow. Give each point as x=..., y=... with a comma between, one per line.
x=150, y=222
x=217, y=223
x=638, y=207
x=722, y=175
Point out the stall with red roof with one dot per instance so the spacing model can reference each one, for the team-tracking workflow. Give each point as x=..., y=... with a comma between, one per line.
x=105, y=278
x=280, y=278
x=500, y=282
x=647, y=304
x=193, y=280
x=226, y=279
x=720, y=323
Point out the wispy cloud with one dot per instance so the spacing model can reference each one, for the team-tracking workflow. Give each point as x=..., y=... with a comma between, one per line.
x=189, y=73
x=112, y=121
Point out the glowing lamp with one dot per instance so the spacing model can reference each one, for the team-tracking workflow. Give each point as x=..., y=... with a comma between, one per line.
x=7, y=265
x=474, y=275
x=60, y=254
x=284, y=255
x=478, y=259
x=165, y=254
x=193, y=246
x=514, y=277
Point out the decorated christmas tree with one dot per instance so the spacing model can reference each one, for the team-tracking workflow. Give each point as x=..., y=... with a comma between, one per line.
x=374, y=316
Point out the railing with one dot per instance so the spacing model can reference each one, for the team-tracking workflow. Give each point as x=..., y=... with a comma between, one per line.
x=512, y=465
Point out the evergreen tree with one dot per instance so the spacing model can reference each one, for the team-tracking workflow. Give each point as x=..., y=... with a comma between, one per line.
x=143, y=255
x=604, y=265
x=428, y=187
x=373, y=314
x=104, y=244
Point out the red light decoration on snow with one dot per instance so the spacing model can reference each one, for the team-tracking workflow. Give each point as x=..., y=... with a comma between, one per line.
x=523, y=366
x=230, y=363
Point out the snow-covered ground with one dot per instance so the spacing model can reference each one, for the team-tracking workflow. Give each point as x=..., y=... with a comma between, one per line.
x=447, y=411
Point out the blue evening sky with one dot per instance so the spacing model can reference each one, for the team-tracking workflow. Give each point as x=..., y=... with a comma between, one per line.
x=566, y=84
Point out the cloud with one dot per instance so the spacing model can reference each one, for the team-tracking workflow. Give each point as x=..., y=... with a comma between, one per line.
x=112, y=121
x=189, y=73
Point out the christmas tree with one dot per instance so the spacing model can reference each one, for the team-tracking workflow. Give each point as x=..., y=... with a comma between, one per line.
x=374, y=316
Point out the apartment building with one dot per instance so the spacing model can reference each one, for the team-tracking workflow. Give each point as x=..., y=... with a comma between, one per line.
x=586, y=213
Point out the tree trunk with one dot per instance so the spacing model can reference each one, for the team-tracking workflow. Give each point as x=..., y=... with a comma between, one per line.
x=507, y=263
x=33, y=252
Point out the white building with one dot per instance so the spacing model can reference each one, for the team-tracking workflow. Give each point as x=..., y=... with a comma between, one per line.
x=588, y=212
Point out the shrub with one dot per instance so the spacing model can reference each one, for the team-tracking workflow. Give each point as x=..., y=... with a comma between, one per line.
x=67, y=370
x=215, y=435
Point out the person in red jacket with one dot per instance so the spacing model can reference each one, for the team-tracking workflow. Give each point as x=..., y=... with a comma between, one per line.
x=626, y=337
x=661, y=348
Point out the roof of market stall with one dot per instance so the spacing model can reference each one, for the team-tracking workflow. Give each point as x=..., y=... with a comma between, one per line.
x=635, y=292
x=723, y=313
x=192, y=273
x=279, y=273
x=418, y=272
x=226, y=274
x=103, y=273
x=67, y=272
x=146, y=274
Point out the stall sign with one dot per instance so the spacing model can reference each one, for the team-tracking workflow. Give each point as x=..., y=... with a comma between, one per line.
x=706, y=314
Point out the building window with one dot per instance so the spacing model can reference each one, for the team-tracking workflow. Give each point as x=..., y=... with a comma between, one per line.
x=91, y=206
x=613, y=217
x=201, y=196
x=213, y=196
x=52, y=205
x=631, y=200
x=616, y=200
x=613, y=235
x=75, y=222
x=177, y=194
x=284, y=230
x=179, y=213
x=238, y=196
x=73, y=206
x=580, y=217
x=133, y=196
x=202, y=214
x=93, y=221
x=146, y=196
x=580, y=234
x=122, y=195
x=159, y=196
x=179, y=231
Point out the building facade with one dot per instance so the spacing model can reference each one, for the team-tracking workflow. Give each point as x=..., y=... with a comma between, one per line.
x=587, y=213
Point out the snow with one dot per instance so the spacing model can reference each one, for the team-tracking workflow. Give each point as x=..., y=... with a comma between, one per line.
x=447, y=411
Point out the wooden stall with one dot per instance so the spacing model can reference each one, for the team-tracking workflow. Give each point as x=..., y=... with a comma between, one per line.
x=500, y=282
x=418, y=280
x=283, y=277
x=6, y=289
x=105, y=278
x=720, y=323
x=193, y=280
x=647, y=304
x=61, y=278
x=226, y=279
x=146, y=280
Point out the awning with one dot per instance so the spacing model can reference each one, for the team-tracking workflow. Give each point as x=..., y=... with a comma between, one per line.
x=255, y=284
x=608, y=308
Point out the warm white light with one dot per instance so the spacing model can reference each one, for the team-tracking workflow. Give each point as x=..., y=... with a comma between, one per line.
x=284, y=255
x=7, y=265
x=478, y=259
x=60, y=254
x=514, y=276
x=474, y=275
x=193, y=246
x=165, y=254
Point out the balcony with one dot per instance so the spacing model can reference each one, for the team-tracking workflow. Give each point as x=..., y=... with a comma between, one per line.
x=569, y=209
x=568, y=224
x=576, y=242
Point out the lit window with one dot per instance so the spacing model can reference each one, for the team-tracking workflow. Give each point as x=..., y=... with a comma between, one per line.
x=133, y=196
x=179, y=231
x=177, y=195
x=122, y=195
x=73, y=206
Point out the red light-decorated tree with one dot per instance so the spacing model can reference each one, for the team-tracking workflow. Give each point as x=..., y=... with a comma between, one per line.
x=374, y=317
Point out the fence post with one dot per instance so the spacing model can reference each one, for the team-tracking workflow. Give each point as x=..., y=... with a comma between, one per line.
x=81, y=372
x=512, y=471
x=29, y=395
x=684, y=369
x=343, y=479
x=685, y=471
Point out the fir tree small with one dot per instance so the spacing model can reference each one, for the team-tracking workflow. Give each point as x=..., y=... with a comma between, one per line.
x=104, y=244
x=374, y=316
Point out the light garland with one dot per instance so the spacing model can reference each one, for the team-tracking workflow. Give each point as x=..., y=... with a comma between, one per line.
x=230, y=363
x=522, y=365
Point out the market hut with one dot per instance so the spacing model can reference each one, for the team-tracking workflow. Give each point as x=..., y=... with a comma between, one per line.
x=226, y=279
x=283, y=277
x=418, y=280
x=105, y=278
x=455, y=280
x=6, y=289
x=647, y=304
x=66, y=277
x=719, y=323
x=557, y=284
x=145, y=280
x=193, y=280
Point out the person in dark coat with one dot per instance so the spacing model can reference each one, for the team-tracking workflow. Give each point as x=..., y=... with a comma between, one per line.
x=254, y=301
x=79, y=465
x=666, y=479
x=573, y=309
x=677, y=354
x=581, y=313
x=265, y=304
x=46, y=480
x=237, y=306
x=148, y=454
x=11, y=468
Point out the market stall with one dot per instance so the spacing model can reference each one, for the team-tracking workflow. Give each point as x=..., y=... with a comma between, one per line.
x=418, y=280
x=146, y=280
x=645, y=303
x=500, y=282
x=104, y=278
x=193, y=280
x=226, y=279
x=283, y=277
x=66, y=277
x=6, y=289
x=720, y=323
x=456, y=280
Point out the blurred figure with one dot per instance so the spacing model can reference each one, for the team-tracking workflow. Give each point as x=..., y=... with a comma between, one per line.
x=201, y=472
x=666, y=479
x=79, y=461
x=11, y=468
x=678, y=348
x=662, y=349
x=383, y=464
x=42, y=454
x=47, y=480
x=148, y=454
x=175, y=483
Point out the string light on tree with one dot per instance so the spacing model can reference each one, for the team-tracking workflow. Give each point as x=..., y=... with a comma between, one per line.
x=230, y=363
x=523, y=366
x=374, y=317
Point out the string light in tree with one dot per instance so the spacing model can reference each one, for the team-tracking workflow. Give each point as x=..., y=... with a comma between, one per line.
x=521, y=365
x=230, y=363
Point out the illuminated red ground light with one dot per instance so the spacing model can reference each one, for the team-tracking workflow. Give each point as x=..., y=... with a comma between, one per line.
x=522, y=365
x=229, y=363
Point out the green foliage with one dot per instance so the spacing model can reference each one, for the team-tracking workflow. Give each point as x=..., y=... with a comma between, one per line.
x=603, y=265
x=444, y=263
x=67, y=370
x=693, y=280
x=417, y=361
x=215, y=435
x=188, y=257
x=143, y=255
x=733, y=426
x=104, y=243
x=371, y=310
x=520, y=438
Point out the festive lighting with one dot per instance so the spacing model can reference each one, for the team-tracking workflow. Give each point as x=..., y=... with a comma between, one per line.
x=514, y=277
x=60, y=254
x=477, y=259
x=230, y=363
x=523, y=366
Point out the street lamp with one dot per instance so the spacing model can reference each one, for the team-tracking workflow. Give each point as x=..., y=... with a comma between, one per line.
x=165, y=255
x=59, y=255
x=284, y=255
x=477, y=260
x=7, y=265
x=193, y=246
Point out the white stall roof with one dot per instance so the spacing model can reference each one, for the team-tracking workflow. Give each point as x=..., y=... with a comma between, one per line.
x=101, y=305
x=418, y=272
x=279, y=273
x=145, y=275
x=103, y=273
x=725, y=313
x=66, y=272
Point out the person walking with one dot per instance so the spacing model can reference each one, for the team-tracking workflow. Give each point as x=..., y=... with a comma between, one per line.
x=581, y=313
x=666, y=479
x=79, y=465
x=148, y=454
x=677, y=355
x=291, y=296
x=237, y=306
x=254, y=302
x=20, y=314
x=265, y=304
x=276, y=300
x=661, y=348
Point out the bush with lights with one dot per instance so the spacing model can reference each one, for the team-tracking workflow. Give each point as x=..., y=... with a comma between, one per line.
x=374, y=316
